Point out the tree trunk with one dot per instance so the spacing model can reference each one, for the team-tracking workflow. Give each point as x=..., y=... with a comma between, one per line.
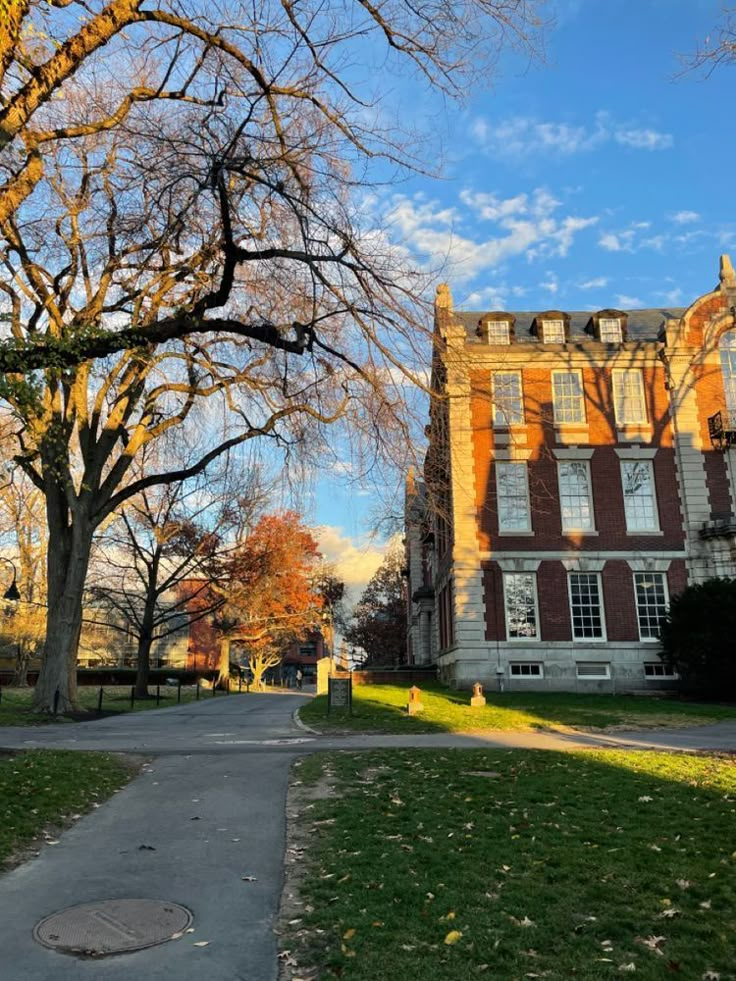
x=257, y=667
x=223, y=667
x=20, y=671
x=67, y=563
x=143, y=663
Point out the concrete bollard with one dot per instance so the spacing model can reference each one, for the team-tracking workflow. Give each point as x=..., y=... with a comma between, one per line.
x=477, y=699
x=415, y=704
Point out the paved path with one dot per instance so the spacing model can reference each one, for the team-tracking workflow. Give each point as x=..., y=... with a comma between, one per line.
x=211, y=806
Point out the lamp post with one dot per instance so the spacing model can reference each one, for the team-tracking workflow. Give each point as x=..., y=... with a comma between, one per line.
x=11, y=593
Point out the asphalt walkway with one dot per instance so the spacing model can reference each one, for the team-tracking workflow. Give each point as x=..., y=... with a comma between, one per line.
x=207, y=812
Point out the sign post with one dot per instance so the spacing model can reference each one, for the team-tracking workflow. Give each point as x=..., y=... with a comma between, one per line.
x=340, y=694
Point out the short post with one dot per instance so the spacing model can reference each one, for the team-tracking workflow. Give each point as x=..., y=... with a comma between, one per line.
x=477, y=699
x=240, y=681
x=99, y=701
x=178, y=693
x=132, y=696
x=158, y=695
x=415, y=704
x=227, y=685
x=57, y=696
x=500, y=679
x=214, y=687
x=197, y=689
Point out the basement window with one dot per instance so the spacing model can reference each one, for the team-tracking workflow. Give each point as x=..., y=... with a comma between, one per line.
x=527, y=669
x=591, y=670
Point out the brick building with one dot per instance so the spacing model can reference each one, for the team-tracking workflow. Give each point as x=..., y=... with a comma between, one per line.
x=579, y=472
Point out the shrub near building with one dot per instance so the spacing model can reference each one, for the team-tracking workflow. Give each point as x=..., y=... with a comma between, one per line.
x=698, y=638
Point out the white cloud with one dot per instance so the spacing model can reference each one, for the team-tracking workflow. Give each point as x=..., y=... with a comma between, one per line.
x=594, y=284
x=685, y=217
x=614, y=242
x=673, y=297
x=355, y=562
x=526, y=225
x=644, y=139
x=629, y=302
x=525, y=135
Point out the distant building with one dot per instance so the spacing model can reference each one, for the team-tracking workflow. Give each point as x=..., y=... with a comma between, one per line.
x=581, y=470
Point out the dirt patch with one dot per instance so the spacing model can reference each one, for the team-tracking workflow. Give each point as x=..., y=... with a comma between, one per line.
x=299, y=802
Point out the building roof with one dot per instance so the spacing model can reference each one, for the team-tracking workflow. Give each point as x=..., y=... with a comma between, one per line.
x=643, y=325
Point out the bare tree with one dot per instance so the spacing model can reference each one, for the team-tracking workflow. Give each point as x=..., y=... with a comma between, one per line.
x=718, y=48
x=157, y=562
x=23, y=542
x=180, y=199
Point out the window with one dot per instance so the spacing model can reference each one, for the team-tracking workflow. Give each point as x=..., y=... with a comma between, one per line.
x=651, y=602
x=727, y=347
x=507, y=398
x=527, y=669
x=590, y=670
x=640, y=503
x=655, y=669
x=628, y=397
x=553, y=331
x=520, y=598
x=609, y=329
x=567, y=396
x=498, y=332
x=576, y=502
x=585, y=606
x=513, y=497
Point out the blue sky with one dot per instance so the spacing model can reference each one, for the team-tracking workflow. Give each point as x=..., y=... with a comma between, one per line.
x=601, y=176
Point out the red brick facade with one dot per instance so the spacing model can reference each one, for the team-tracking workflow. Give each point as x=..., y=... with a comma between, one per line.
x=656, y=508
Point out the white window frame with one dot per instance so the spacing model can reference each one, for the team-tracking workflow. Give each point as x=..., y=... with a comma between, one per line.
x=525, y=639
x=632, y=527
x=665, y=673
x=564, y=399
x=601, y=609
x=603, y=675
x=582, y=466
x=663, y=578
x=727, y=352
x=502, y=416
x=610, y=324
x=558, y=326
x=517, y=468
x=538, y=671
x=498, y=326
x=630, y=408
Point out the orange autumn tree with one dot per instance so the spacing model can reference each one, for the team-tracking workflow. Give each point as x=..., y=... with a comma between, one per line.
x=272, y=595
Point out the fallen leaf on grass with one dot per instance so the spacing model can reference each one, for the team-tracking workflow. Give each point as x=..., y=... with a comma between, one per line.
x=711, y=976
x=452, y=937
x=627, y=967
x=645, y=799
x=682, y=883
x=349, y=934
x=705, y=904
x=653, y=943
x=668, y=913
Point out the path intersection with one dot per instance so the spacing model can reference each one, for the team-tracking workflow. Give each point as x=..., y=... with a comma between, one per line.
x=204, y=826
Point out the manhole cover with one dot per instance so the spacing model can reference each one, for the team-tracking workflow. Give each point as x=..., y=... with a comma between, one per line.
x=113, y=926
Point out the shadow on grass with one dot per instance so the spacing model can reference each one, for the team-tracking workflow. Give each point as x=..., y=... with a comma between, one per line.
x=382, y=708
x=565, y=865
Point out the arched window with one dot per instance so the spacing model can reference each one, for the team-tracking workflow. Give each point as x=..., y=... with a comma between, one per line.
x=727, y=348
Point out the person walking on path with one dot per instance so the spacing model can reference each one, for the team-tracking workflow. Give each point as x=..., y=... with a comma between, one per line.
x=299, y=678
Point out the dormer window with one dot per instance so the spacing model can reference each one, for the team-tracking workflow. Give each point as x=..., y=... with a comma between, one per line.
x=553, y=331
x=498, y=331
x=609, y=329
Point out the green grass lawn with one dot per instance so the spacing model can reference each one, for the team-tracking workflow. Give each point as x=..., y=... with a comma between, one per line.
x=15, y=704
x=452, y=865
x=43, y=789
x=382, y=708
